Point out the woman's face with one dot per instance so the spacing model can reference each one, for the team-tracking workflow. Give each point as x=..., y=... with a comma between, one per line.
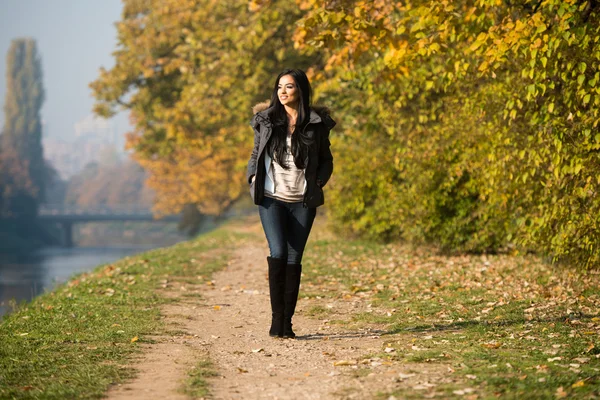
x=287, y=91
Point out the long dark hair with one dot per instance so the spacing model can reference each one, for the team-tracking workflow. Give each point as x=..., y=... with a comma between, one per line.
x=278, y=116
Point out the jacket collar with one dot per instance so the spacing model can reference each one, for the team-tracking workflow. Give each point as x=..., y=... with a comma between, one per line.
x=262, y=116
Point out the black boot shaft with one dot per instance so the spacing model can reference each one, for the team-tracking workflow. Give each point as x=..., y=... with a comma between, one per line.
x=277, y=276
x=292, y=288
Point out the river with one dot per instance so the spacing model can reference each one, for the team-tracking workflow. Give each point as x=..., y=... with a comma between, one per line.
x=24, y=278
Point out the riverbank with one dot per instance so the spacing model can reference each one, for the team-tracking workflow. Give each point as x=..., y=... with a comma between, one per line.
x=75, y=341
x=23, y=277
x=374, y=321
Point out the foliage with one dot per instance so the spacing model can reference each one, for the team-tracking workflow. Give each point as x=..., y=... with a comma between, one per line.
x=191, y=71
x=22, y=154
x=490, y=108
x=111, y=186
x=480, y=117
x=15, y=182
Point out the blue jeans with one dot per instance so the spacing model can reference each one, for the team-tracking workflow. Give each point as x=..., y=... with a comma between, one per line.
x=286, y=226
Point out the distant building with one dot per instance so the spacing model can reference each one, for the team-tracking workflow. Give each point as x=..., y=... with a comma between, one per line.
x=94, y=138
x=99, y=130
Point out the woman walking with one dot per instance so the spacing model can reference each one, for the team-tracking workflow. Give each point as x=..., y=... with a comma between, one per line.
x=289, y=165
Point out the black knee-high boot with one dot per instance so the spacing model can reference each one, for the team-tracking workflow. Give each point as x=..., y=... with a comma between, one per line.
x=292, y=287
x=277, y=273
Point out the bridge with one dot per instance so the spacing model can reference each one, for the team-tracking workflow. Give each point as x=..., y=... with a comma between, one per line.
x=66, y=216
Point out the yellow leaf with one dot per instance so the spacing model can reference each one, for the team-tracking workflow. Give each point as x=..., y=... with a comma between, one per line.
x=578, y=384
x=217, y=307
x=343, y=363
x=134, y=339
x=492, y=345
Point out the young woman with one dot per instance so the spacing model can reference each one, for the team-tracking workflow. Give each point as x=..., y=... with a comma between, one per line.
x=289, y=165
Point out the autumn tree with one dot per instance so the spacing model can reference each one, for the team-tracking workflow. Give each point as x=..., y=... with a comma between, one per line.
x=189, y=72
x=469, y=124
x=109, y=186
x=20, y=145
x=14, y=183
x=479, y=115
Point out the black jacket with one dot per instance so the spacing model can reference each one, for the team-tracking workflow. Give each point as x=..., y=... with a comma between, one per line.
x=319, y=165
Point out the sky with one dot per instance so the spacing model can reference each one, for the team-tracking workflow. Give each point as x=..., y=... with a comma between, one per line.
x=74, y=38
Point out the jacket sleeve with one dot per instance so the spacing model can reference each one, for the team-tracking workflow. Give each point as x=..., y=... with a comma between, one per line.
x=251, y=171
x=325, y=168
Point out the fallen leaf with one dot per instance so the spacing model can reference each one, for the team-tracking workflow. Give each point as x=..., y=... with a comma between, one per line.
x=578, y=384
x=463, y=391
x=343, y=363
x=134, y=339
x=492, y=345
x=560, y=393
x=217, y=308
x=590, y=348
x=423, y=386
x=242, y=370
x=405, y=376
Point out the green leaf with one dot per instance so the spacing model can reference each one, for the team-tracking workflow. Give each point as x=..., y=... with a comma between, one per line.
x=586, y=99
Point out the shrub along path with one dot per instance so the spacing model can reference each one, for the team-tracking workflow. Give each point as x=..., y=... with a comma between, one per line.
x=374, y=321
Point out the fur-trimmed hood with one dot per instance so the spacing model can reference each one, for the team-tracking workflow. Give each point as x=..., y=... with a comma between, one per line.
x=318, y=114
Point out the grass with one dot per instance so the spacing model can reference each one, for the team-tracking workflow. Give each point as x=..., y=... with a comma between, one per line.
x=503, y=326
x=76, y=341
x=196, y=385
x=486, y=326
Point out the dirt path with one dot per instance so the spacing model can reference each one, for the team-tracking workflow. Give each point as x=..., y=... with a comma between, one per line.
x=229, y=326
